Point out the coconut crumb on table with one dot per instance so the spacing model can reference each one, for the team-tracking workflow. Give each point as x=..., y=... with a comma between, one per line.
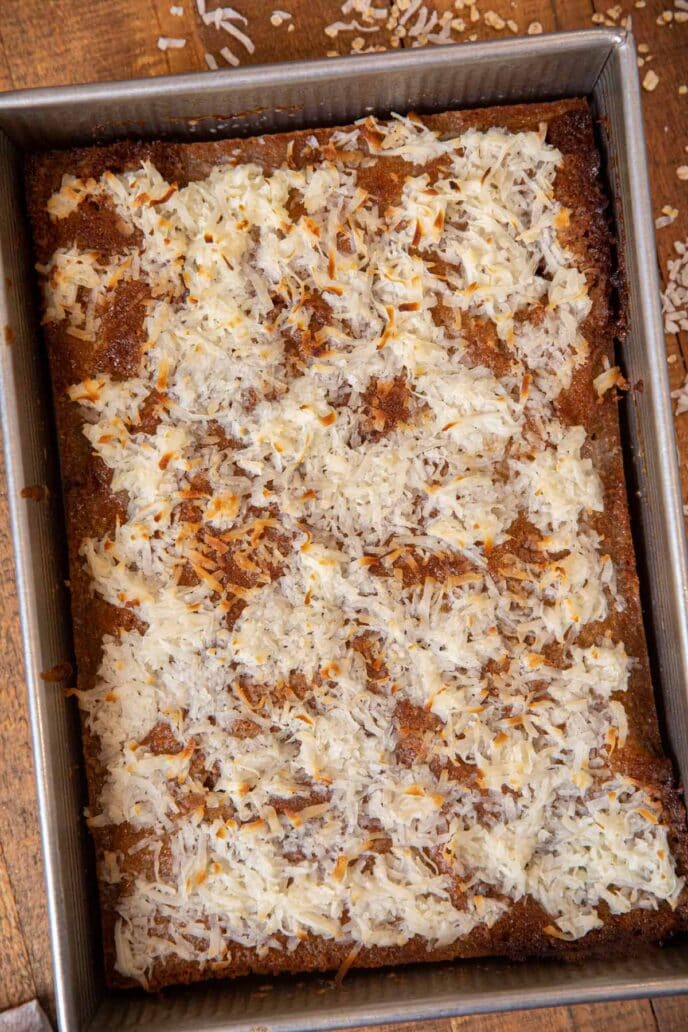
x=419, y=23
x=230, y=57
x=675, y=295
x=278, y=18
x=219, y=16
x=494, y=20
x=239, y=36
x=224, y=19
x=650, y=81
x=415, y=21
x=682, y=172
x=681, y=398
x=669, y=215
x=170, y=43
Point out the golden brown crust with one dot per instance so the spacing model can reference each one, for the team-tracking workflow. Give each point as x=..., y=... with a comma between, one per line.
x=91, y=509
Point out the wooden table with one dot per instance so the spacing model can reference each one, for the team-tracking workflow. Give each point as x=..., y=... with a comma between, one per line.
x=65, y=41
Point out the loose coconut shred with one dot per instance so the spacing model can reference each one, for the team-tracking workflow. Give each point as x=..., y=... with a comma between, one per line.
x=279, y=520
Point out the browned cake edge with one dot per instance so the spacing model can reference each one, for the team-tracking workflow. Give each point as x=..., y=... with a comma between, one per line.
x=91, y=509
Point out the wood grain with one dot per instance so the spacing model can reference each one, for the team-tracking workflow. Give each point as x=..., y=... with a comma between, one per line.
x=43, y=44
x=21, y=870
x=631, y=1016
x=16, y=981
x=25, y=966
x=671, y=1013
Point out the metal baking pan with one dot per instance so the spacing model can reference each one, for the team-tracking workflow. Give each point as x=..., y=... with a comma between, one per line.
x=597, y=63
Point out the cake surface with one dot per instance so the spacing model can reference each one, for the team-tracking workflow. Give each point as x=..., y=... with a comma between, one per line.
x=361, y=661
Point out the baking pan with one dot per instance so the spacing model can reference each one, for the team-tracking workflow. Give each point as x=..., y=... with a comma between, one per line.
x=597, y=63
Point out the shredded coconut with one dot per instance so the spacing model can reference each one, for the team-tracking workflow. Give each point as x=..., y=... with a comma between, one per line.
x=675, y=294
x=278, y=18
x=650, y=81
x=229, y=56
x=681, y=396
x=224, y=19
x=170, y=43
x=669, y=215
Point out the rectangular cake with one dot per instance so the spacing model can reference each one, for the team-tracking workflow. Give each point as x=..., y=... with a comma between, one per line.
x=360, y=655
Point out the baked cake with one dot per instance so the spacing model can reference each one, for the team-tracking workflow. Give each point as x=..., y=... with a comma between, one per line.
x=361, y=662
